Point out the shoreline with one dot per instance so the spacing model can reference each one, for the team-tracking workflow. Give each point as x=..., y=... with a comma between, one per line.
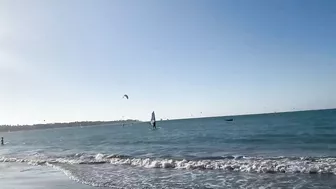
x=24, y=176
x=7, y=128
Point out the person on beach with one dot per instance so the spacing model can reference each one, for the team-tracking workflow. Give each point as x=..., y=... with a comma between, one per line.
x=2, y=141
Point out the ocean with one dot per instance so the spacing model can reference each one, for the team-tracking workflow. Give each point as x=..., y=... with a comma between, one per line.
x=282, y=150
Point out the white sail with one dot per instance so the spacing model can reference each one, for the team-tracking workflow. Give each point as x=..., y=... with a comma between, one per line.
x=153, y=118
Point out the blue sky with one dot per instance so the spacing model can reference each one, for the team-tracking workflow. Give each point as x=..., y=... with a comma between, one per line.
x=73, y=60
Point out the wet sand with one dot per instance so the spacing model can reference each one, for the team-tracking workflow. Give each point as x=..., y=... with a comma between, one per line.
x=23, y=176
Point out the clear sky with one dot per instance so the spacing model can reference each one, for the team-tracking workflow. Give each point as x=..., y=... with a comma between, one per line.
x=67, y=60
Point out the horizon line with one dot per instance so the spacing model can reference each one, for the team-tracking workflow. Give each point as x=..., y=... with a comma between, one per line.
x=252, y=114
x=173, y=119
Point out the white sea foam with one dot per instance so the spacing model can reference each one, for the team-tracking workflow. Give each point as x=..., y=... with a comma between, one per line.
x=323, y=165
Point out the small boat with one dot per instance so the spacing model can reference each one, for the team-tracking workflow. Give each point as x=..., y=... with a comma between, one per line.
x=229, y=119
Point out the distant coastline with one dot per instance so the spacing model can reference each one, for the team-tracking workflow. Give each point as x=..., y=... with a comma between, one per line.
x=11, y=128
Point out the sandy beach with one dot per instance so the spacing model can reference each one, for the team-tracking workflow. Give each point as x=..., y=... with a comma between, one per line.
x=23, y=176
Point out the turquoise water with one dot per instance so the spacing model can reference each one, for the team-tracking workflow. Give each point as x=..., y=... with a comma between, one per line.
x=272, y=150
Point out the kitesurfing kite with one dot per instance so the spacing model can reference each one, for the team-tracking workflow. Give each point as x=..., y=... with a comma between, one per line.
x=125, y=96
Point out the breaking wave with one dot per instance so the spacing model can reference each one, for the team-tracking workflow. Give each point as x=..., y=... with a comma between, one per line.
x=309, y=165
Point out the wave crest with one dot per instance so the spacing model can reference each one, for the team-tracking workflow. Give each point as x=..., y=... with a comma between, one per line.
x=310, y=165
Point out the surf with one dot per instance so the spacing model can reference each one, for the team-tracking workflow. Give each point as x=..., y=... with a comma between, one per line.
x=308, y=165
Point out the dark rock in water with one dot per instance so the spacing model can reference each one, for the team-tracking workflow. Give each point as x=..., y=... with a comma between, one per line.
x=229, y=120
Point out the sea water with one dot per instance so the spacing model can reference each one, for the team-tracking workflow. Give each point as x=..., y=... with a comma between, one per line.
x=283, y=150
